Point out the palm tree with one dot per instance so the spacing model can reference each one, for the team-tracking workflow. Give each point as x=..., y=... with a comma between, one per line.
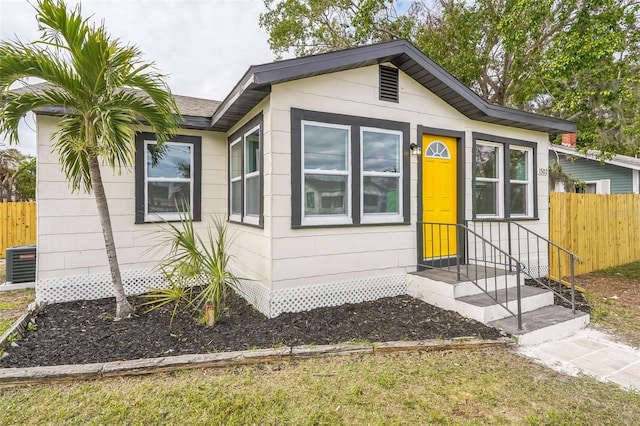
x=104, y=87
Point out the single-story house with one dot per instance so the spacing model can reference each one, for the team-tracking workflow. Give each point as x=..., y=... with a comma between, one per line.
x=324, y=168
x=592, y=174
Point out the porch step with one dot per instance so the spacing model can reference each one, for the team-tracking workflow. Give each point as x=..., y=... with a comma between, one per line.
x=483, y=308
x=548, y=323
x=445, y=281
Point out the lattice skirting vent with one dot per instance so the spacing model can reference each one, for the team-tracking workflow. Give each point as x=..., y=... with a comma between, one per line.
x=533, y=269
x=257, y=295
x=271, y=304
x=337, y=293
x=95, y=286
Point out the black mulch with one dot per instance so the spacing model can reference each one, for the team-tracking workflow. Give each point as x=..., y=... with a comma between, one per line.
x=580, y=300
x=83, y=332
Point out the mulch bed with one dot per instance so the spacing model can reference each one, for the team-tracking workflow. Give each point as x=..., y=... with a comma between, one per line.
x=83, y=332
x=580, y=300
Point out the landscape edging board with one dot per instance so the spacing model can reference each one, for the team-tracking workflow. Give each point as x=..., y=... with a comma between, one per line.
x=18, y=326
x=64, y=373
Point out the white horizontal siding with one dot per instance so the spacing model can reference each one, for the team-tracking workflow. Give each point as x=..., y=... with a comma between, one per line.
x=317, y=255
x=70, y=240
x=251, y=248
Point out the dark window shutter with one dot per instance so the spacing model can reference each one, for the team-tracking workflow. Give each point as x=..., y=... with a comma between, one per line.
x=388, y=84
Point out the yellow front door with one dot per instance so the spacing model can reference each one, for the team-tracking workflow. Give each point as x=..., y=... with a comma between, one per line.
x=439, y=195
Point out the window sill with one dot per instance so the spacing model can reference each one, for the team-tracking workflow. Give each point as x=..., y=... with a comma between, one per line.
x=235, y=221
x=327, y=221
x=351, y=225
x=164, y=218
x=373, y=219
x=506, y=219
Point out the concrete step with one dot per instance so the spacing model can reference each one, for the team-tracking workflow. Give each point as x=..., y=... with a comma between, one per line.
x=483, y=308
x=445, y=282
x=544, y=324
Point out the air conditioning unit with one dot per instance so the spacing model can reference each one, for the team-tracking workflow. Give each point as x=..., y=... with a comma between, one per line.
x=21, y=264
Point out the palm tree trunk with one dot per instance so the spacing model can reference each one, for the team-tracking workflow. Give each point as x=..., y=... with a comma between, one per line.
x=123, y=307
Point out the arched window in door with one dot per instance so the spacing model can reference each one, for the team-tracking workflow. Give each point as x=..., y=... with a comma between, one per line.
x=437, y=149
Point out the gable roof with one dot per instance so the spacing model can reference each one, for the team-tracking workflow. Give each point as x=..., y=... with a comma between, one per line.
x=593, y=154
x=256, y=84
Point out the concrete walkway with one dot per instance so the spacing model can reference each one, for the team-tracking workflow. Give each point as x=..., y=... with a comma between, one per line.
x=592, y=353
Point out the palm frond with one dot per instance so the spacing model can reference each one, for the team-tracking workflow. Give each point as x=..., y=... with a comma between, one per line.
x=71, y=147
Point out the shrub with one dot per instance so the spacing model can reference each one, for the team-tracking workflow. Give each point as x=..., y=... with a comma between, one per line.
x=193, y=261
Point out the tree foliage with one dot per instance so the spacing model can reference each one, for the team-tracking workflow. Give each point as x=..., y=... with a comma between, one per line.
x=574, y=59
x=105, y=88
x=25, y=181
x=10, y=160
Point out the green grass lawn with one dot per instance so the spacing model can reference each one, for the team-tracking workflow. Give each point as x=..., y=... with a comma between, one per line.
x=494, y=386
x=629, y=271
x=12, y=303
x=460, y=387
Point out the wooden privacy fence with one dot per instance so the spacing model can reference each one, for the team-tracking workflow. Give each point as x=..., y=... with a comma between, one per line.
x=17, y=225
x=602, y=230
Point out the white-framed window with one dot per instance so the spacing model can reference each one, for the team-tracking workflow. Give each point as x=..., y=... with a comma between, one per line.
x=252, y=176
x=168, y=180
x=520, y=181
x=489, y=179
x=381, y=172
x=602, y=186
x=235, y=178
x=244, y=177
x=326, y=173
x=504, y=179
x=348, y=170
x=245, y=174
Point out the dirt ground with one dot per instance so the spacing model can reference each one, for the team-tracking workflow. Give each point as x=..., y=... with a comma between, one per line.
x=14, y=303
x=615, y=304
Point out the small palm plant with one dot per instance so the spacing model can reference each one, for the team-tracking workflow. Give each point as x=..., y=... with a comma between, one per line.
x=192, y=261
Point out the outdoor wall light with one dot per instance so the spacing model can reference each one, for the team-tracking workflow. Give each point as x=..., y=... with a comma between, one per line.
x=415, y=149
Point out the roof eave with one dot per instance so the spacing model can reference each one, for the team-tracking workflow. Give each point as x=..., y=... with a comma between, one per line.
x=591, y=155
x=259, y=79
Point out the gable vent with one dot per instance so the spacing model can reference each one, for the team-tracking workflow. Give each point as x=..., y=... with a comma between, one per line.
x=388, y=84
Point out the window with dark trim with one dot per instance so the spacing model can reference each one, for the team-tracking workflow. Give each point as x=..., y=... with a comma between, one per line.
x=348, y=170
x=245, y=174
x=168, y=181
x=504, y=181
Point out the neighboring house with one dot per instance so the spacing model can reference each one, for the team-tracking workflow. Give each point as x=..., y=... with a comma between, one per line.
x=323, y=165
x=591, y=174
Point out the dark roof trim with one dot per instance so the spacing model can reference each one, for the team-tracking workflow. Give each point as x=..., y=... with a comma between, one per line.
x=256, y=84
x=187, y=122
x=196, y=112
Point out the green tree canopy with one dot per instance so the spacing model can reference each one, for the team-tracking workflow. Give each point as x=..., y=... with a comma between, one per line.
x=25, y=181
x=573, y=59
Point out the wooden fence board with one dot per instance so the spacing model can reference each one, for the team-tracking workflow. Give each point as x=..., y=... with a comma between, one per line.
x=17, y=225
x=602, y=230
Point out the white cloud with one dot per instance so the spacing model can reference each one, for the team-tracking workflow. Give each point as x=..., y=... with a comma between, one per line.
x=204, y=46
